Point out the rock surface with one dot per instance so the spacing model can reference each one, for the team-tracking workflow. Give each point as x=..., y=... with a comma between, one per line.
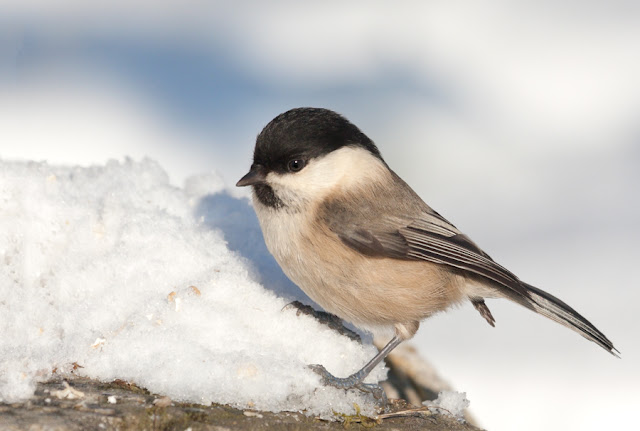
x=84, y=404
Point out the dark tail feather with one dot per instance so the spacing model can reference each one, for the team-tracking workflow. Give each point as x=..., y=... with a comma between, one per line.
x=548, y=305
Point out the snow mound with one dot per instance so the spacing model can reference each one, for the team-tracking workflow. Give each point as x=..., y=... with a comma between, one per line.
x=113, y=269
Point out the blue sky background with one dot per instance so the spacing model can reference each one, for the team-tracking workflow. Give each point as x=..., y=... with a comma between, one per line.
x=519, y=123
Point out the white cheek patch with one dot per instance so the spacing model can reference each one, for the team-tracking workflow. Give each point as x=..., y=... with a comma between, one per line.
x=346, y=167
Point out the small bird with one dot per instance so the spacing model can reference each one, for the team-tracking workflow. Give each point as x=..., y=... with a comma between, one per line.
x=362, y=244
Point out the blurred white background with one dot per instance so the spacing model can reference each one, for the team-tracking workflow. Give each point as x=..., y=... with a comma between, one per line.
x=519, y=122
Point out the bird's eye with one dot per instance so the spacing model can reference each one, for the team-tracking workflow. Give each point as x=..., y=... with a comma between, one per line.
x=295, y=165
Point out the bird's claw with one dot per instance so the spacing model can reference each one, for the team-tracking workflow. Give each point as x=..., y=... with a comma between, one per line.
x=354, y=381
x=332, y=321
x=327, y=378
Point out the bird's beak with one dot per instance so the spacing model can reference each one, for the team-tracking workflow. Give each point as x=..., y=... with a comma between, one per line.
x=256, y=175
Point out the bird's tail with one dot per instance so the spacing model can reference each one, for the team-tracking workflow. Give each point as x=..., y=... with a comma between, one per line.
x=548, y=305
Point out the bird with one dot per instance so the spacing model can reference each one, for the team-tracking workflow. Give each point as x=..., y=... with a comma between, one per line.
x=363, y=245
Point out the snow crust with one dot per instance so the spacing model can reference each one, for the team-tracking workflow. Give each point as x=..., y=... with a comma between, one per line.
x=450, y=403
x=114, y=270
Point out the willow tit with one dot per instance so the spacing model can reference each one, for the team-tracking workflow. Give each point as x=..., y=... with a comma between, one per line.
x=363, y=245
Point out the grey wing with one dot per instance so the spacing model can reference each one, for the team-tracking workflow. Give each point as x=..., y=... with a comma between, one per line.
x=426, y=241
x=402, y=226
x=426, y=238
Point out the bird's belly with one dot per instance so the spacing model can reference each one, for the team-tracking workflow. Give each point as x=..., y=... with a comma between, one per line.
x=363, y=290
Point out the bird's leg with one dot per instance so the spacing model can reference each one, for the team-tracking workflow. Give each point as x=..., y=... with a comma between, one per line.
x=355, y=380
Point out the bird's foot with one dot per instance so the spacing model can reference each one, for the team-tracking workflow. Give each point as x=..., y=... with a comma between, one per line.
x=354, y=381
x=331, y=320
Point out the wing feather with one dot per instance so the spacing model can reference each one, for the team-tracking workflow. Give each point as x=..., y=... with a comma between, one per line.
x=378, y=228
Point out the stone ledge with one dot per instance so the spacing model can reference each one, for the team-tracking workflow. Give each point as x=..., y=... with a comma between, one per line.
x=137, y=409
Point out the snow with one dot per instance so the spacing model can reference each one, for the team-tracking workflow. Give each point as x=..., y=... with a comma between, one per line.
x=113, y=271
x=450, y=403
